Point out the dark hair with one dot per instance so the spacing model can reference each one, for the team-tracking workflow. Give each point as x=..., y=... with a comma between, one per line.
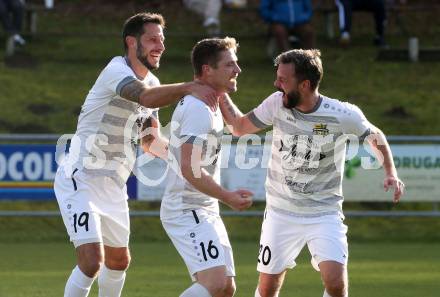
x=308, y=65
x=207, y=51
x=134, y=25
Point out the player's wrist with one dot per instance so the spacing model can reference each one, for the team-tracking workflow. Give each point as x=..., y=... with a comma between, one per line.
x=224, y=196
x=189, y=87
x=391, y=174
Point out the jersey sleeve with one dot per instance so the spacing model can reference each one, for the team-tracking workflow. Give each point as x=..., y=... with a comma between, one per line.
x=356, y=123
x=153, y=81
x=116, y=76
x=262, y=116
x=196, y=123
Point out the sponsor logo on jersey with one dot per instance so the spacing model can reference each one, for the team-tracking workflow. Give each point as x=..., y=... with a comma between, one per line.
x=320, y=129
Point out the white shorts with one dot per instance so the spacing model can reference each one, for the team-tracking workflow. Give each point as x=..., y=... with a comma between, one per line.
x=283, y=237
x=201, y=240
x=94, y=208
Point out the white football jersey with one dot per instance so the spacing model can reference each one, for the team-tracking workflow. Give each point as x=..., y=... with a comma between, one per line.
x=109, y=125
x=306, y=167
x=192, y=122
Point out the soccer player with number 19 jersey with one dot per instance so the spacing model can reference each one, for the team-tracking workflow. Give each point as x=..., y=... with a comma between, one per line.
x=90, y=184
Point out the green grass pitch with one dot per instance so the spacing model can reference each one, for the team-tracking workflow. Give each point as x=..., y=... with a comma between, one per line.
x=375, y=269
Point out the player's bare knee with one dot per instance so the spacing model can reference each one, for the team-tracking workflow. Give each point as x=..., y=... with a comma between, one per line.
x=121, y=264
x=94, y=262
x=336, y=288
x=90, y=265
x=90, y=257
x=118, y=263
x=124, y=262
x=270, y=285
x=229, y=290
x=267, y=290
x=216, y=286
x=334, y=277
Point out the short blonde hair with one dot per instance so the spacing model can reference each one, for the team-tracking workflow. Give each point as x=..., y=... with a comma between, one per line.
x=207, y=51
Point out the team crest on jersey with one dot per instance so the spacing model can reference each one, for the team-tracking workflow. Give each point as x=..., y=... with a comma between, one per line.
x=320, y=129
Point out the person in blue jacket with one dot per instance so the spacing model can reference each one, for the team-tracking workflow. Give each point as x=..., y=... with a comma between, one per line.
x=286, y=18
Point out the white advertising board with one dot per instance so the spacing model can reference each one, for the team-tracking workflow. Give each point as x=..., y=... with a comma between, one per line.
x=418, y=167
x=245, y=167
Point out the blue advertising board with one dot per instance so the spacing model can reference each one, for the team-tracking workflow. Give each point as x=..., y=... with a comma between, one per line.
x=27, y=171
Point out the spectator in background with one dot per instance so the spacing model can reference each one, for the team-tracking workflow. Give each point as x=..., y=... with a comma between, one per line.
x=11, y=16
x=287, y=17
x=210, y=11
x=346, y=8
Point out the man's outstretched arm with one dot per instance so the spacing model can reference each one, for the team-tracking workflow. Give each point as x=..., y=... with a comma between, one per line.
x=238, y=123
x=159, y=96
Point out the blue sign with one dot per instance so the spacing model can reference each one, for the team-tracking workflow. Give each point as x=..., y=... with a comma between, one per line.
x=27, y=171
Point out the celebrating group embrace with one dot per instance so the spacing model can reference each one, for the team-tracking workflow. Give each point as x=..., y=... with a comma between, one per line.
x=304, y=178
